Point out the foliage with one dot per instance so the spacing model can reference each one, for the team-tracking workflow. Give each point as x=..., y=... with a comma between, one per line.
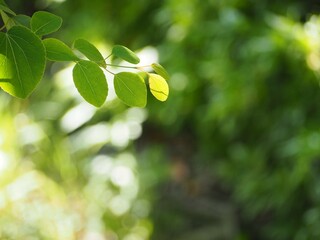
x=234, y=154
x=23, y=61
x=246, y=105
x=63, y=191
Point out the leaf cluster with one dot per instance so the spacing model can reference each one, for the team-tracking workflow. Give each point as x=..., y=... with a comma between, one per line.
x=24, y=50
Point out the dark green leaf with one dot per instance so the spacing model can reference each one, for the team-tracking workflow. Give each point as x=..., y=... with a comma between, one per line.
x=131, y=89
x=6, y=9
x=22, y=61
x=22, y=20
x=90, y=82
x=160, y=70
x=43, y=23
x=58, y=51
x=90, y=51
x=125, y=54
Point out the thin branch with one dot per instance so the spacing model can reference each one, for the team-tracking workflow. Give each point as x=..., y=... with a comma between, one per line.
x=132, y=67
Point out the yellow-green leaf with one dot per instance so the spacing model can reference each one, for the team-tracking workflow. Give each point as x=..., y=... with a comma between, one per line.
x=160, y=70
x=158, y=87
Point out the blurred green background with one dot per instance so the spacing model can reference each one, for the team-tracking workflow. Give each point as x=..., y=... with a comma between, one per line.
x=233, y=154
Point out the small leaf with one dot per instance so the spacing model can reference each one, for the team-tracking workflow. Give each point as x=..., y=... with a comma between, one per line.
x=22, y=61
x=90, y=82
x=22, y=20
x=58, y=51
x=125, y=54
x=158, y=87
x=160, y=70
x=131, y=89
x=90, y=51
x=43, y=23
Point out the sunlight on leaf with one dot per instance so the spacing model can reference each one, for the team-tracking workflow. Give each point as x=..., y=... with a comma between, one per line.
x=158, y=87
x=5, y=68
x=24, y=63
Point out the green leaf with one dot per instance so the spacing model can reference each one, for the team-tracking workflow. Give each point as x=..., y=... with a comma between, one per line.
x=6, y=68
x=158, y=87
x=131, y=89
x=90, y=82
x=125, y=54
x=22, y=61
x=144, y=75
x=43, y=23
x=160, y=70
x=58, y=51
x=8, y=21
x=6, y=9
x=90, y=51
x=22, y=20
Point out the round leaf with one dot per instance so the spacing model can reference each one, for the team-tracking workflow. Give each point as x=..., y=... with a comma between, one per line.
x=160, y=70
x=90, y=82
x=22, y=61
x=131, y=89
x=58, y=51
x=90, y=51
x=43, y=23
x=158, y=87
x=125, y=54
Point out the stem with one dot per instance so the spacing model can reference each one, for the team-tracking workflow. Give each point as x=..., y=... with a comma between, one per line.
x=132, y=67
x=114, y=65
x=109, y=71
x=108, y=56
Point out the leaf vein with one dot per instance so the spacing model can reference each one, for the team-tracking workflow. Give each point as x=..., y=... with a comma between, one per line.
x=26, y=58
x=16, y=65
x=87, y=79
x=42, y=26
